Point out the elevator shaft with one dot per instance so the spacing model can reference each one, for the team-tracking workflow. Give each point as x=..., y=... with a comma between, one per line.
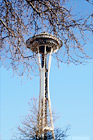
x=45, y=112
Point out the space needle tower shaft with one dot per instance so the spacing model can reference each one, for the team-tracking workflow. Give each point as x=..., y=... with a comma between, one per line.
x=44, y=45
x=44, y=97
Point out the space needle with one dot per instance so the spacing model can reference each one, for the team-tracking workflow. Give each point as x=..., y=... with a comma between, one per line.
x=44, y=45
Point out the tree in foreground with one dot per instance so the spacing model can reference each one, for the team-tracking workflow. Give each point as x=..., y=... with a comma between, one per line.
x=21, y=19
x=28, y=130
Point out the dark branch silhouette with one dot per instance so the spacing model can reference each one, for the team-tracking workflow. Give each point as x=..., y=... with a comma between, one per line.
x=21, y=19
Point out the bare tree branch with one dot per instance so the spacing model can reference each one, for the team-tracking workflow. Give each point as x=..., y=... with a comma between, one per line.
x=28, y=130
x=20, y=19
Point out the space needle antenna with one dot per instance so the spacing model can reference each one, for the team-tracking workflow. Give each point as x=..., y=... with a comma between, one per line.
x=44, y=45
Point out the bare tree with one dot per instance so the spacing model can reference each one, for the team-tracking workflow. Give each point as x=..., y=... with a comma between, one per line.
x=20, y=19
x=28, y=130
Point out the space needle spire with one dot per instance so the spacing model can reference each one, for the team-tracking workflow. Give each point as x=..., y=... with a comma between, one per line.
x=44, y=45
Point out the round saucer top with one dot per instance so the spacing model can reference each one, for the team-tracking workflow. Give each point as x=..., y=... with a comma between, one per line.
x=38, y=43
